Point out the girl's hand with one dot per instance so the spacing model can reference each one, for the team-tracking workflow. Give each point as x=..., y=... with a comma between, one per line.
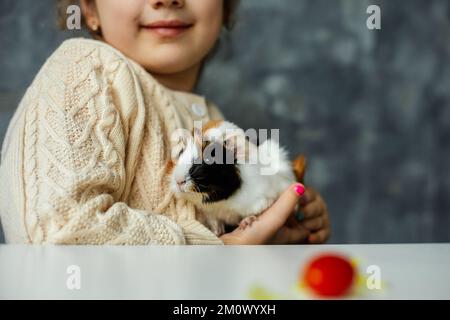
x=315, y=214
x=274, y=225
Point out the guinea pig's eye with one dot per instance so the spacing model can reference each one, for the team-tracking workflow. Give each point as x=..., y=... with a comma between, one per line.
x=178, y=151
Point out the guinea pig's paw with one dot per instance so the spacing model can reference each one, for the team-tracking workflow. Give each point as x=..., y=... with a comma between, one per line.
x=261, y=204
x=247, y=222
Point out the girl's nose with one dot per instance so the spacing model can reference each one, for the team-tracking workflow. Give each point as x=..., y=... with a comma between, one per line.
x=157, y=4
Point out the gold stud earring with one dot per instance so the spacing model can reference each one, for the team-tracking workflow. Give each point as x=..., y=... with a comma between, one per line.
x=95, y=27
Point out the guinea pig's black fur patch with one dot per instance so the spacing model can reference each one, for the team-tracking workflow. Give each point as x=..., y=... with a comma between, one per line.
x=216, y=177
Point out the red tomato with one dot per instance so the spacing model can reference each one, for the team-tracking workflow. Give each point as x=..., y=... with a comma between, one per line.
x=329, y=275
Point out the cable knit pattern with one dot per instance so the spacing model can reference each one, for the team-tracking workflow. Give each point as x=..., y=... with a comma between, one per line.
x=85, y=158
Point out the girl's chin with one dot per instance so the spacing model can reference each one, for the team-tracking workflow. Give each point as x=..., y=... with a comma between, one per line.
x=165, y=67
x=167, y=58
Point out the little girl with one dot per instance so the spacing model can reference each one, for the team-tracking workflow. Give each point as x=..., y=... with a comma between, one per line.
x=86, y=156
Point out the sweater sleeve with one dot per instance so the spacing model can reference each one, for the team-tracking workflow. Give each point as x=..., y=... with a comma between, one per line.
x=79, y=154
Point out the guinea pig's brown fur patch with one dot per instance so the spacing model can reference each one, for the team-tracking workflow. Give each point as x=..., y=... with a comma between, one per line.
x=299, y=166
x=170, y=166
x=211, y=124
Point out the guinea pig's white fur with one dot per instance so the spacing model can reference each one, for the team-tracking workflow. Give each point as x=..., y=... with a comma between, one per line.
x=258, y=190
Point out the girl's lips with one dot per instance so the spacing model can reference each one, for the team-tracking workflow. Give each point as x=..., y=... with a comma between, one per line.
x=168, y=32
x=168, y=28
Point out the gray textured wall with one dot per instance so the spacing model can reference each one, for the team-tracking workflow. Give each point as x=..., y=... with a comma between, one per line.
x=370, y=109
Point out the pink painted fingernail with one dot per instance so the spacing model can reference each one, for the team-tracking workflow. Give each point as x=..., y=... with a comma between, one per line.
x=299, y=189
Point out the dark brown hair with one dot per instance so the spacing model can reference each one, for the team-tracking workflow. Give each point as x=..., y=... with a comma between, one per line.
x=229, y=9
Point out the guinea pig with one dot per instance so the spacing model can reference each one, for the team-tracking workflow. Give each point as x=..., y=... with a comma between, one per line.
x=227, y=177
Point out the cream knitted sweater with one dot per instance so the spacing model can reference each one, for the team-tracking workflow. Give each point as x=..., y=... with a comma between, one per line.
x=85, y=157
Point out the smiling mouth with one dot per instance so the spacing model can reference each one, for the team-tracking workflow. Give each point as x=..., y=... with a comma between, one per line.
x=168, y=28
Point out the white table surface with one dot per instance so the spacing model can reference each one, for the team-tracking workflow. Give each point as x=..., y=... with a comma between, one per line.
x=411, y=271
